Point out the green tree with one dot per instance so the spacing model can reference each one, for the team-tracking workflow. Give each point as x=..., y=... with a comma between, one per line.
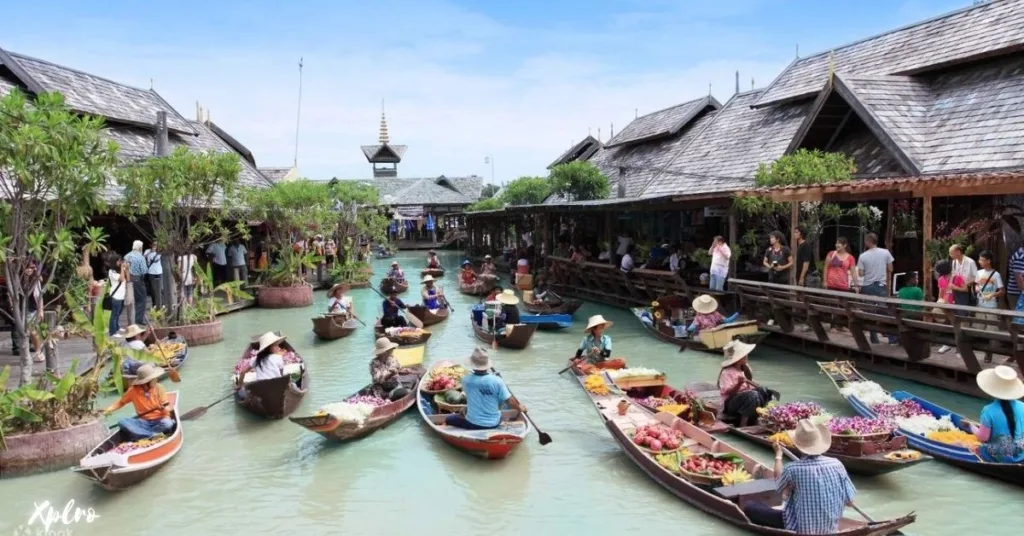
x=54, y=167
x=526, y=191
x=806, y=167
x=485, y=204
x=361, y=217
x=489, y=191
x=579, y=181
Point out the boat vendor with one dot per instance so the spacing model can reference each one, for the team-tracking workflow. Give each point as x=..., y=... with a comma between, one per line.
x=540, y=290
x=392, y=312
x=396, y=273
x=508, y=314
x=488, y=268
x=816, y=488
x=432, y=262
x=741, y=397
x=468, y=275
x=152, y=409
x=1002, y=421
x=596, y=346
x=339, y=303
x=385, y=371
x=268, y=364
x=706, y=314
x=493, y=296
x=433, y=296
x=132, y=340
x=485, y=394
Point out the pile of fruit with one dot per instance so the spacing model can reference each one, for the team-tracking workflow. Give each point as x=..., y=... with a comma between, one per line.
x=859, y=426
x=673, y=409
x=658, y=437
x=672, y=460
x=785, y=416
x=372, y=400
x=445, y=379
x=634, y=372
x=168, y=349
x=955, y=437
x=595, y=384
x=905, y=454
x=783, y=438
x=653, y=402
x=717, y=466
x=129, y=446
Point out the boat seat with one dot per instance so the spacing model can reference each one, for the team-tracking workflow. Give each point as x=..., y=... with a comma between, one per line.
x=761, y=490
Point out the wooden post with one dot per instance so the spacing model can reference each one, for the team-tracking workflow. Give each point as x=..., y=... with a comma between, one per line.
x=733, y=234
x=926, y=236
x=888, y=227
x=794, y=220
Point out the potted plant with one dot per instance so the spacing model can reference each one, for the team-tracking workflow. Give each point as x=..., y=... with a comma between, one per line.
x=904, y=217
x=197, y=320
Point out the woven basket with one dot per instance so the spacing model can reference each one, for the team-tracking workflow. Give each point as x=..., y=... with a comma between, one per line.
x=429, y=392
x=445, y=407
x=703, y=480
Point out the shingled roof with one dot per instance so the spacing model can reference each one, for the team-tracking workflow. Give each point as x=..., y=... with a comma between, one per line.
x=662, y=123
x=277, y=174
x=969, y=34
x=582, y=150
x=427, y=191
x=383, y=153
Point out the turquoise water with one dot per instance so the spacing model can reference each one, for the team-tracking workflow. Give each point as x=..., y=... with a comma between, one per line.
x=237, y=473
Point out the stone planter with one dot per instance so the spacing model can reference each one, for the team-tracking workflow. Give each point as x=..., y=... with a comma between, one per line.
x=195, y=334
x=50, y=451
x=285, y=297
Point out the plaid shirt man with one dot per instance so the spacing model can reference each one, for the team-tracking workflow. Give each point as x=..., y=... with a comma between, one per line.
x=819, y=489
x=136, y=264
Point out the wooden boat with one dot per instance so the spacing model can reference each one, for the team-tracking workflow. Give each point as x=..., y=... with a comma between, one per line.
x=176, y=361
x=331, y=327
x=724, y=502
x=117, y=471
x=378, y=332
x=566, y=307
x=547, y=322
x=388, y=283
x=844, y=372
x=481, y=287
x=330, y=427
x=518, y=339
x=493, y=444
x=707, y=420
x=427, y=316
x=712, y=340
x=433, y=272
x=275, y=398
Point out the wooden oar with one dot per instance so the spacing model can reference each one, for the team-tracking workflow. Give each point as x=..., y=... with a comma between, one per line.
x=544, y=438
x=201, y=410
x=411, y=318
x=171, y=373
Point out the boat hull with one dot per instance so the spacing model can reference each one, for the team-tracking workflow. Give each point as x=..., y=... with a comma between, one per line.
x=387, y=284
x=378, y=332
x=275, y=398
x=567, y=307
x=482, y=287
x=432, y=272
x=331, y=327
x=519, y=339
x=692, y=343
x=547, y=322
x=428, y=317
x=177, y=360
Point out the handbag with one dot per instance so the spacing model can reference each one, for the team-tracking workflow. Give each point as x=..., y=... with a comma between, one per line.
x=974, y=289
x=108, y=300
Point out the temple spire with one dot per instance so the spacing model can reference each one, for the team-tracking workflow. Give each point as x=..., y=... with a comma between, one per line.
x=383, y=125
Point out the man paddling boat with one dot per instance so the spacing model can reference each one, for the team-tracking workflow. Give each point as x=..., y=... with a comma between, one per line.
x=485, y=394
x=152, y=408
x=392, y=311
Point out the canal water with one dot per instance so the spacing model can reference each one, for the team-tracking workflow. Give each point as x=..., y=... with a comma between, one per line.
x=237, y=473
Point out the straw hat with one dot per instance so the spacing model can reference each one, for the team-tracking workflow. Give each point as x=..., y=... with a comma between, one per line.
x=394, y=263
x=133, y=331
x=508, y=297
x=431, y=252
x=597, y=320
x=335, y=288
x=428, y=279
x=480, y=360
x=735, y=351
x=487, y=257
x=147, y=373
x=267, y=340
x=383, y=346
x=811, y=439
x=705, y=304
x=1001, y=382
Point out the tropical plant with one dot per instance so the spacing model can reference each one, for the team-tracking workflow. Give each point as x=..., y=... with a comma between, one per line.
x=967, y=235
x=702, y=258
x=287, y=270
x=350, y=271
x=806, y=167
x=490, y=203
x=579, y=181
x=526, y=191
x=904, y=216
x=869, y=217
x=54, y=167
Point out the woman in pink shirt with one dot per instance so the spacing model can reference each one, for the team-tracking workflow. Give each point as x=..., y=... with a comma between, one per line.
x=741, y=397
x=946, y=281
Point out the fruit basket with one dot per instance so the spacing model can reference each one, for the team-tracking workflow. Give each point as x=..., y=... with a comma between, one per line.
x=445, y=407
x=657, y=439
x=709, y=469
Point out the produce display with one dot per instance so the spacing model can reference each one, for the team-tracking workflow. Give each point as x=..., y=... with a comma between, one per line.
x=289, y=358
x=907, y=415
x=403, y=332
x=595, y=384
x=860, y=426
x=783, y=438
x=633, y=372
x=652, y=402
x=955, y=437
x=715, y=466
x=130, y=446
x=901, y=409
x=455, y=397
x=372, y=400
x=870, y=393
x=672, y=460
x=905, y=454
x=160, y=349
x=738, y=475
x=347, y=412
x=658, y=437
x=673, y=409
x=923, y=424
x=445, y=379
x=785, y=416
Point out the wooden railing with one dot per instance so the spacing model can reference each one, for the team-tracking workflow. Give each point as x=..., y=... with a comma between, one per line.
x=606, y=283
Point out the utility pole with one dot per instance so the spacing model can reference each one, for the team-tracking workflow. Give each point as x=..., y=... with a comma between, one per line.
x=298, y=117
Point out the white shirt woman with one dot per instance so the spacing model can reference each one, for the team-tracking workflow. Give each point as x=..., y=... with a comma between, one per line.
x=117, y=287
x=272, y=367
x=186, y=264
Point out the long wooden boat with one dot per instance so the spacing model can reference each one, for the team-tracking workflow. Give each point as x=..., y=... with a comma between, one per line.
x=547, y=322
x=329, y=427
x=275, y=398
x=331, y=327
x=387, y=284
x=493, y=444
x=433, y=272
x=518, y=339
x=427, y=316
x=481, y=287
x=745, y=331
x=378, y=332
x=725, y=502
x=116, y=470
x=844, y=372
x=708, y=422
x=566, y=307
x=176, y=361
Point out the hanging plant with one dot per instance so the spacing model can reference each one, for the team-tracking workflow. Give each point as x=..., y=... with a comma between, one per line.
x=904, y=217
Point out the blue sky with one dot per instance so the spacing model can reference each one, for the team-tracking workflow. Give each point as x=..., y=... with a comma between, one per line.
x=462, y=80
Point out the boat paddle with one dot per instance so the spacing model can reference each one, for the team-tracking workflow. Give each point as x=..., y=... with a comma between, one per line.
x=171, y=373
x=411, y=318
x=201, y=410
x=543, y=437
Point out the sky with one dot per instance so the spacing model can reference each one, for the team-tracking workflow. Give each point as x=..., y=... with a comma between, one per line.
x=462, y=82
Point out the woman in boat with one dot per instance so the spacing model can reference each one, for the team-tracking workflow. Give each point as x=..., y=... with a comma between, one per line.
x=1002, y=421
x=385, y=371
x=706, y=314
x=132, y=340
x=338, y=303
x=392, y=312
x=508, y=314
x=495, y=292
x=540, y=290
x=432, y=262
x=396, y=273
x=485, y=392
x=268, y=364
x=596, y=346
x=433, y=296
x=152, y=409
x=468, y=276
x=488, y=268
x=741, y=397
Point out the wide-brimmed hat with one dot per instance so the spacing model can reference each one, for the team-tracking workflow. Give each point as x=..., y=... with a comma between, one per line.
x=431, y=252
x=597, y=320
x=508, y=297
x=267, y=340
x=487, y=257
x=1001, y=382
x=735, y=351
x=467, y=263
x=705, y=304
x=479, y=360
x=811, y=439
x=394, y=263
x=428, y=279
x=133, y=331
x=383, y=346
x=147, y=373
x=335, y=288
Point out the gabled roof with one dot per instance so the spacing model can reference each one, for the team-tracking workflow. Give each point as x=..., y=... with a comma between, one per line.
x=242, y=150
x=971, y=33
x=384, y=153
x=93, y=95
x=662, y=123
x=277, y=174
x=582, y=150
x=427, y=191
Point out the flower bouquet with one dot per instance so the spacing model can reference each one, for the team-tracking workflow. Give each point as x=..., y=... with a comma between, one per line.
x=782, y=417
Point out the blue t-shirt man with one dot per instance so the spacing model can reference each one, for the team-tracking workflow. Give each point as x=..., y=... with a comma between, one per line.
x=485, y=393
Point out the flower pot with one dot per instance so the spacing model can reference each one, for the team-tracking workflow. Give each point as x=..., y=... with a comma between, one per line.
x=195, y=334
x=623, y=407
x=52, y=450
x=285, y=297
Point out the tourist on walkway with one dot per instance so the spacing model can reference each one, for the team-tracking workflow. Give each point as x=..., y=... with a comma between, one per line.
x=706, y=315
x=816, y=489
x=875, y=268
x=596, y=347
x=624, y=241
x=117, y=276
x=910, y=291
x=216, y=253
x=152, y=409
x=946, y=281
x=806, y=271
x=386, y=371
x=839, y=268
x=431, y=294
x=393, y=308
x=966, y=268
x=237, y=256
x=1002, y=421
x=741, y=397
x=485, y=394
x=396, y=273
x=137, y=276
x=778, y=259
x=990, y=291
x=720, y=255
x=627, y=260
x=579, y=254
x=268, y=364
x=1015, y=277
x=674, y=261
x=154, y=275
x=187, y=275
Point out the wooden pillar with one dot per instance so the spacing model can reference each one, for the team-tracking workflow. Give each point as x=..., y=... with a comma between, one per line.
x=608, y=229
x=733, y=240
x=888, y=227
x=926, y=236
x=794, y=220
